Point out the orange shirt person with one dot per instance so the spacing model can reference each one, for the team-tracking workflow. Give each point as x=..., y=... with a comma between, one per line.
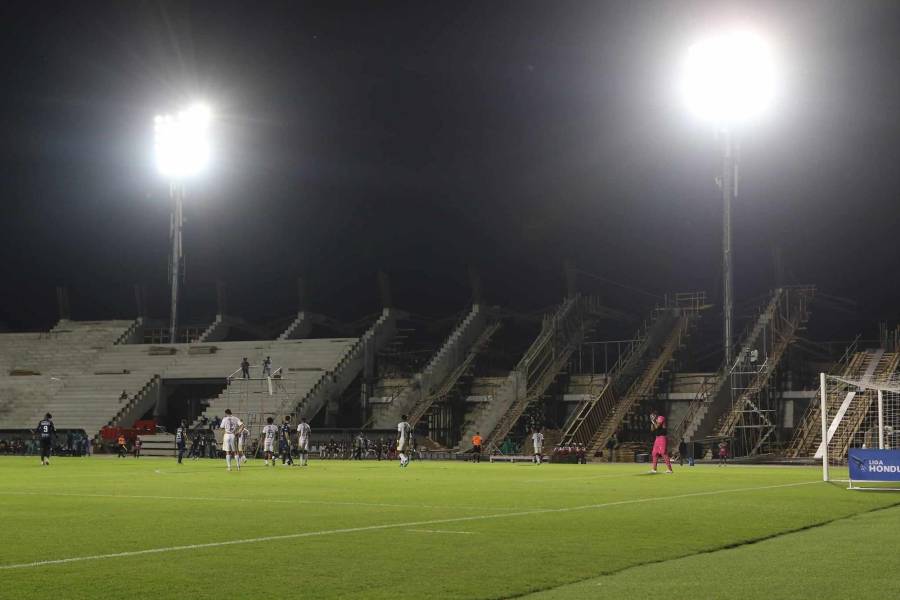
x=476, y=446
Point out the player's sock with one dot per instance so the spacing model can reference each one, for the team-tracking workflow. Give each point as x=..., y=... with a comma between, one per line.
x=228, y=461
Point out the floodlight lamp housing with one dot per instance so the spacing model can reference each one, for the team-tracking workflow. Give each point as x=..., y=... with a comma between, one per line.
x=182, y=147
x=729, y=78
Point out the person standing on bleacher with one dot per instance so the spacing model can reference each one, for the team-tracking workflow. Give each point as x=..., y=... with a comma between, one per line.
x=245, y=368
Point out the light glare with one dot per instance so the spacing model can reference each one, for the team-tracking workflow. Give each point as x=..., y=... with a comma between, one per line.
x=729, y=78
x=182, y=142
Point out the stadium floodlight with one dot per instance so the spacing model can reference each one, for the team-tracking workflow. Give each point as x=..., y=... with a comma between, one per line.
x=729, y=79
x=182, y=142
x=182, y=151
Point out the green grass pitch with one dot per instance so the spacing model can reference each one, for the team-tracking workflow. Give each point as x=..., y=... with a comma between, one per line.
x=149, y=528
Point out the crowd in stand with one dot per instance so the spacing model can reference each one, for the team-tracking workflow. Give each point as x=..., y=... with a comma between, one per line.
x=570, y=452
x=73, y=443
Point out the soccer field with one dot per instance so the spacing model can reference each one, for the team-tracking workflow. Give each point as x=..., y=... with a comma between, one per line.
x=149, y=528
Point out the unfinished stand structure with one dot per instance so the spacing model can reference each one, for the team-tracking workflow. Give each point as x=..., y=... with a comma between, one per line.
x=439, y=375
x=739, y=403
x=847, y=405
x=561, y=333
x=635, y=374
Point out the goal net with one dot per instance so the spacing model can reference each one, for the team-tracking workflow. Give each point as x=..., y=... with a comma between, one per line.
x=859, y=441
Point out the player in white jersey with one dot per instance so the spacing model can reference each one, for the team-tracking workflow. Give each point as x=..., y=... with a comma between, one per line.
x=538, y=439
x=231, y=425
x=270, y=432
x=303, y=432
x=404, y=431
x=243, y=441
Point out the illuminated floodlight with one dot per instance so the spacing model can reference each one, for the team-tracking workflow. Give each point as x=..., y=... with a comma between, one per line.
x=182, y=142
x=729, y=78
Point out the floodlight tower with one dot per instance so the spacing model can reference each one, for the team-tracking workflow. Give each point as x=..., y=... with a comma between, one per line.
x=728, y=80
x=182, y=152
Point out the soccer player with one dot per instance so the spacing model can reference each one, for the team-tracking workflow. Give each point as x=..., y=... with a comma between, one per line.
x=303, y=432
x=285, y=442
x=46, y=431
x=476, y=447
x=181, y=439
x=658, y=429
x=230, y=424
x=537, y=439
x=243, y=440
x=270, y=431
x=723, y=453
x=404, y=429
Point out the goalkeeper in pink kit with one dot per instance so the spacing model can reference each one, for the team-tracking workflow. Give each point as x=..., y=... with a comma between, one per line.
x=659, y=430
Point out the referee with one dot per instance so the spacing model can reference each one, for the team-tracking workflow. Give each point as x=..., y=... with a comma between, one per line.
x=46, y=431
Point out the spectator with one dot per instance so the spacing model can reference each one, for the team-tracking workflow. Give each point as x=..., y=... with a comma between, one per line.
x=611, y=447
x=123, y=396
x=266, y=367
x=137, y=447
x=122, y=448
x=245, y=368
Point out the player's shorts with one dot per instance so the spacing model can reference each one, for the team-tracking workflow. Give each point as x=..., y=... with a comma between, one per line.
x=45, y=446
x=476, y=449
x=401, y=445
x=269, y=446
x=538, y=449
x=303, y=445
x=240, y=443
x=659, y=445
x=229, y=444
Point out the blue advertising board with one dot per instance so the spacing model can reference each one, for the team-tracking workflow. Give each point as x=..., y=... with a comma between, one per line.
x=874, y=465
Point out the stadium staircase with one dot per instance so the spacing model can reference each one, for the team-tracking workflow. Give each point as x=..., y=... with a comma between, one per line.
x=808, y=433
x=439, y=375
x=299, y=328
x=451, y=382
x=597, y=418
x=351, y=364
x=873, y=366
x=675, y=322
x=772, y=333
x=561, y=333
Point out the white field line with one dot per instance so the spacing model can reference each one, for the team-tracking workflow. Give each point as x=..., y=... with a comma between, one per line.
x=262, y=500
x=408, y=525
x=440, y=531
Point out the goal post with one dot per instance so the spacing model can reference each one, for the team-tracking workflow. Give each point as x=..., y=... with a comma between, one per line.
x=859, y=439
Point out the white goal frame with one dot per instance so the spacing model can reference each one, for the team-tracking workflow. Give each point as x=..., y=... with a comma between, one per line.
x=829, y=427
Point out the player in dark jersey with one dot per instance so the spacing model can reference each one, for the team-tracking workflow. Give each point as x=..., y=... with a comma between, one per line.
x=181, y=439
x=46, y=432
x=285, y=442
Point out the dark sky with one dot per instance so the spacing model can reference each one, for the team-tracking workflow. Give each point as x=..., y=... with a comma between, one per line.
x=424, y=138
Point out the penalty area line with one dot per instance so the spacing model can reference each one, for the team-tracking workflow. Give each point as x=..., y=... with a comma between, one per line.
x=407, y=525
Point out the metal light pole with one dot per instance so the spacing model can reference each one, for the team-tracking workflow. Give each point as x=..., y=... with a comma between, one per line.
x=182, y=151
x=729, y=193
x=729, y=80
x=176, y=192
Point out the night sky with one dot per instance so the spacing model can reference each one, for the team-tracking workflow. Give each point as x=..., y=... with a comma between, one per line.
x=427, y=138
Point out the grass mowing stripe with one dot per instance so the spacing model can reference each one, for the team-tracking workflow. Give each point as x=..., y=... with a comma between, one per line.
x=408, y=525
x=541, y=593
